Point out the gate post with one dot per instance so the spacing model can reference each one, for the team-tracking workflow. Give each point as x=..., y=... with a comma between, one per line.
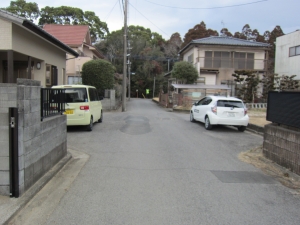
x=13, y=152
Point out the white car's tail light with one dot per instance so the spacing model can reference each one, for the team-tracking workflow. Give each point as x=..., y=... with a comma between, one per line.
x=214, y=109
x=245, y=111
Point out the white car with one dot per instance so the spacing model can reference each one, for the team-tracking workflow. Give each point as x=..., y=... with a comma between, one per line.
x=218, y=110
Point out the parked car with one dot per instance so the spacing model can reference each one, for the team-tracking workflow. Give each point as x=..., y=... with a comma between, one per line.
x=218, y=110
x=83, y=105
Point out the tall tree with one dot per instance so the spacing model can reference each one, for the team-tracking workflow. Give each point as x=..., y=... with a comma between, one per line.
x=74, y=16
x=255, y=36
x=172, y=46
x=247, y=32
x=225, y=32
x=276, y=32
x=197, y=32
x=239, y=35
x=29, y=10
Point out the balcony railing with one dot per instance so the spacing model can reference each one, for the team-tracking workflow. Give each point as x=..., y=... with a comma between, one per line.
x=52, y=102
x=236, y=63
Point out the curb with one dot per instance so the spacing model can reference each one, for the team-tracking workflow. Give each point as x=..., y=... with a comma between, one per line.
x=17, y=204
x=256, y=129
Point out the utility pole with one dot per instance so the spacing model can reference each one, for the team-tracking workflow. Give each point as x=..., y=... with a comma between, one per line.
x=154, y=86
x=129, y=65
x=125, y=57
x=129, y=88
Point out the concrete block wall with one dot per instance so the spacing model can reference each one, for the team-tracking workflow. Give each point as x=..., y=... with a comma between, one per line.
x=282, y=145
x=41, y=144
x=8, y=93
x=110, y=103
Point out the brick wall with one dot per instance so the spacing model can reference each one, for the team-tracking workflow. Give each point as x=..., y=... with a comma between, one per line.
x=41, y=144
x=282, y=145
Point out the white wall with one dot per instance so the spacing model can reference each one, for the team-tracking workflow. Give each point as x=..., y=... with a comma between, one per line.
x=6, y=35
x=285, y=65
x=210, y=79
x=30, y=44
x=188, y=53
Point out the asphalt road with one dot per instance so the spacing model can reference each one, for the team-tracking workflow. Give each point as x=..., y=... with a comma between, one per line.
x=151, y=166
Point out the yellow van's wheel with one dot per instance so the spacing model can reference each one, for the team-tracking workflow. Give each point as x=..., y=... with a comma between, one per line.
x=101, y=118
x=90, y=126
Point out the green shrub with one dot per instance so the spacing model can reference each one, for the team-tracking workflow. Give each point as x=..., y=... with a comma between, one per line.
x=98, y=73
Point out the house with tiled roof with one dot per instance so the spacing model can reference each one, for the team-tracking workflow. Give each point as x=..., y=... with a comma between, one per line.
x=78, y=38
x=27, y=51
x=217, y=57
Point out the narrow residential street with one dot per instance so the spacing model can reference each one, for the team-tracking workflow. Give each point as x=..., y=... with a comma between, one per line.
x=149, y=166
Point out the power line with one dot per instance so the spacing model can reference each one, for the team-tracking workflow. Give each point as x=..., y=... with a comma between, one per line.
x=217, y=7
x=122, y=10
x=148, y=19
x=111, y=11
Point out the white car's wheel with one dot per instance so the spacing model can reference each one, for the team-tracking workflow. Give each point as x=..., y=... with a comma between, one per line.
x=242, y=128
x=207, y=124
x=192, y=117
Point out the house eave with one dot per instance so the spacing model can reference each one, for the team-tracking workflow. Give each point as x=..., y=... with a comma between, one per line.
x=40, y=32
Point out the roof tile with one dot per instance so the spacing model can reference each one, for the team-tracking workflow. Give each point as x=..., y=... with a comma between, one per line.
x=219, y=40
x=72, y=35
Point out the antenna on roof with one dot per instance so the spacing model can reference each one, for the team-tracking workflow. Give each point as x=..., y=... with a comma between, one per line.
x=222, y=22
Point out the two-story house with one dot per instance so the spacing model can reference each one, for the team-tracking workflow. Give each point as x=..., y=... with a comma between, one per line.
x=217, y=57
x=288, y=55
x=78, y=38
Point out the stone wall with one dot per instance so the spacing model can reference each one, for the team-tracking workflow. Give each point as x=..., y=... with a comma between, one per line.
x=282, y=145
x=41, y=144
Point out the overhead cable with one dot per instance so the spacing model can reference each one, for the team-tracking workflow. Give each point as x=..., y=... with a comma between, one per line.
x=216, y=7
x=148, y=19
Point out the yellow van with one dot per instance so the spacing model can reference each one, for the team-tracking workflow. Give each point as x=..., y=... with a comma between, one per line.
x=83, y=105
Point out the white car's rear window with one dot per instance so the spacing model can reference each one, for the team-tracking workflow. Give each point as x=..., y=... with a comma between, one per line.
x=230, y=103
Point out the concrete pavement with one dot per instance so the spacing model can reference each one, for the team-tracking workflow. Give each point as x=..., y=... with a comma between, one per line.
x=10, y=207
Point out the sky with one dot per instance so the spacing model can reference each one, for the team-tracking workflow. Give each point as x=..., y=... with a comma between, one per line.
x=170, y=16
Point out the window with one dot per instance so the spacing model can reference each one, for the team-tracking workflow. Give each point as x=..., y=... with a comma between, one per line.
x=293, y=51
x=201, y=80
x=74, y=80
x=298, y=50
x=218, y=59
x=243, y=60
x=76, y=95
x=208, y=59
x=93, y=95
x=207, y=101
x=191, y=58
x=230, y=103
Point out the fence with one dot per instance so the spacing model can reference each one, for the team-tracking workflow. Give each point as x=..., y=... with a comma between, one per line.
x=283, y=108
x=256, y=105
x=52, y=102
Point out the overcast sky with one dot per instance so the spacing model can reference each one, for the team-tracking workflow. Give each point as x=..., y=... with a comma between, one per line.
x=169, y=16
